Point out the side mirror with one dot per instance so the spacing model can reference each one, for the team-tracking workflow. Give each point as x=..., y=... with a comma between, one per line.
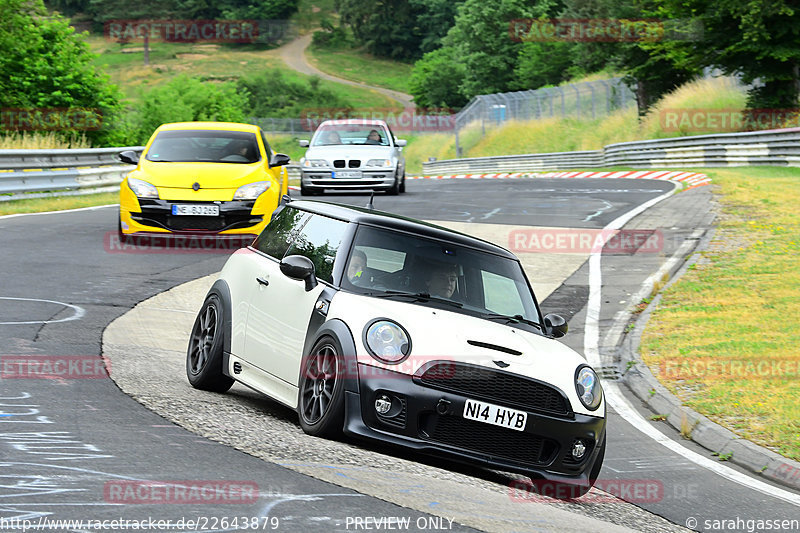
x=303, y=143
x=301, y=268
x=279, y=160
x=400, y=142
x=555, y=325
x=129, y=156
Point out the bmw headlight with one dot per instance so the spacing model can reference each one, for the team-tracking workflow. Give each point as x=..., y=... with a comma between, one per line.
x=142, y=189
x=251, y=191
x=587, y=385
x=387, y=341
x=315, y=163
x=379, y=163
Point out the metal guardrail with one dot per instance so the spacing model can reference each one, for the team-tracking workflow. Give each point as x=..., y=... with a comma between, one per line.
x=66, y=170
x=773, y=147
x=27, y=171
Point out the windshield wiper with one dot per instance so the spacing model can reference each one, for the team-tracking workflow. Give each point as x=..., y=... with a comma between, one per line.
x=511, y=318
x=421, y=296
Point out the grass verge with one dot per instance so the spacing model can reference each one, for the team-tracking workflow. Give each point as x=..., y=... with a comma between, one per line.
x=724, y=337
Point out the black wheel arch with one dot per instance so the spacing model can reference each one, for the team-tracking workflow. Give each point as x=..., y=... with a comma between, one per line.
x=223, y=292
x=340, y=332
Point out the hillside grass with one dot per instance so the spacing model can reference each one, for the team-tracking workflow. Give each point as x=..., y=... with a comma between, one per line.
x=356, y=65
x=724, y=338
x=213, y=62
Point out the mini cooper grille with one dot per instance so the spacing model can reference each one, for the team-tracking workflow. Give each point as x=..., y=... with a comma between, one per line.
x=502, y=387
x=507, y=444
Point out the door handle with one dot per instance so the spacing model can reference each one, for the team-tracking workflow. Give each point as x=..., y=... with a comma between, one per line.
x=263, y=281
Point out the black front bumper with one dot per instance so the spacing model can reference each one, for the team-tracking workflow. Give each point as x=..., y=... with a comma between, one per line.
x=232, y=215
x=430, y=421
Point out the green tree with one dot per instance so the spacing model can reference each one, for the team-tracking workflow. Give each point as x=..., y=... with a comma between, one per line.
x=185, y=99
x=45, y=64
x=756, y=39
x=436, y=78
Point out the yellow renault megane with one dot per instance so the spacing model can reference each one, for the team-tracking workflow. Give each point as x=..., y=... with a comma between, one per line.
x=218, y=178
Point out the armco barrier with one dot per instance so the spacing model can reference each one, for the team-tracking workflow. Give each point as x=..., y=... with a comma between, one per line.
x=33, y=171
x=773, y=147
x=26, y=171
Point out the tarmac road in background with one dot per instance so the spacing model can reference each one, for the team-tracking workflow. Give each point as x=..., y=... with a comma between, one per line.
x=62, y=441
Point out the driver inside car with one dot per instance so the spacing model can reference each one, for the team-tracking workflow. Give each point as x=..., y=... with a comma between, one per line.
x=355, y=270
x=442, y=281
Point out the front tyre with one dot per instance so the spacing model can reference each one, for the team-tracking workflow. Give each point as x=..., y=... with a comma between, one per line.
x=204, y=355
x=321, y=396
x=403, y=183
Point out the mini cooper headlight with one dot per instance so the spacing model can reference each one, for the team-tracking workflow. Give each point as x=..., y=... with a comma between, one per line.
x=251, y=191
x=387, y=341
x=142, y=189
x=315, y=163
x=379, y=163
x=587, y=385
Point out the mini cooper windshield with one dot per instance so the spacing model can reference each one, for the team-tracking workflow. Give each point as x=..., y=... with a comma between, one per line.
x=394, y=265
x=204, y=146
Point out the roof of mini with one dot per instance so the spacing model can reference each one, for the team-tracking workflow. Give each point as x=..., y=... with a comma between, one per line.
x=381, y=219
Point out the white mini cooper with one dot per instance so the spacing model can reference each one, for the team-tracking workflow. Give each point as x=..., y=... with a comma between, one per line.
x=389, y=328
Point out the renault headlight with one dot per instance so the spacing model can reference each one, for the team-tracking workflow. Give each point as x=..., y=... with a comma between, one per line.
x=587, y=385
x=387, y=341
x=142, y=189
x=251, y=191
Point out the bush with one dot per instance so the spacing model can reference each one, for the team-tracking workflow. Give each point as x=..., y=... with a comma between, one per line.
x=182, y=99
x=271, y=95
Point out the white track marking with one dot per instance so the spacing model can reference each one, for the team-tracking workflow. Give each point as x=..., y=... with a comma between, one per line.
x=57, y=212
x=617, y=400
x=78, y=312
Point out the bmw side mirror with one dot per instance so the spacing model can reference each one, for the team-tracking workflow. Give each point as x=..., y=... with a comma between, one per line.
x=555, y=325
x=129, y=156
x=279, y=160
x=301, y=268
x=400, y=142
x=303, y=143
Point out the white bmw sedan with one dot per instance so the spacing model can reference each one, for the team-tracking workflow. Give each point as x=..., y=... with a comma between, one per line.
x=353, y=154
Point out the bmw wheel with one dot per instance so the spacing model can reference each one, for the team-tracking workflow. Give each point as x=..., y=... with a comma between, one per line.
x=321, y=396
x=204, y=356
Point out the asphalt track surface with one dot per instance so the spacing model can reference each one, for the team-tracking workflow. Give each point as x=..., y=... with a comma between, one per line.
x=63, y=441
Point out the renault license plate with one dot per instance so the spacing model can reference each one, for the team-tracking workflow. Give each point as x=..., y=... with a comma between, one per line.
x=198, y=210
x=495, y=415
